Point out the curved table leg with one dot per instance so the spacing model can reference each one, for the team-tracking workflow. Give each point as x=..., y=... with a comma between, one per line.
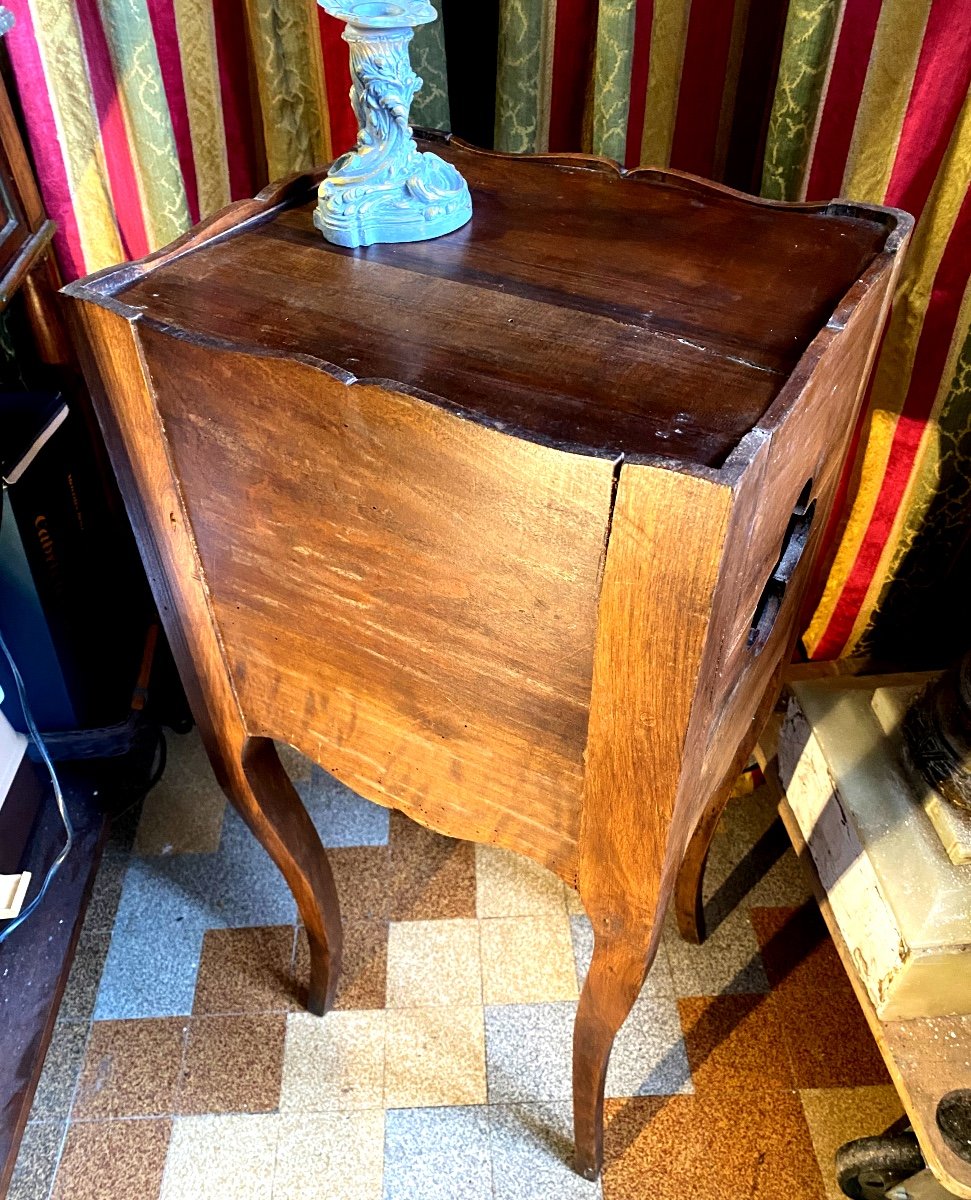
x=689, y=906
x=617, y=972
x=261, y=791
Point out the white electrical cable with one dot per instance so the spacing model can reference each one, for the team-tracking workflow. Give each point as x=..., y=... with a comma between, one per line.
x=58, y=796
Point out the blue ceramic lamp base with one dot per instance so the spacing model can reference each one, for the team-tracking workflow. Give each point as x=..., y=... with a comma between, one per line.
x=385, y=189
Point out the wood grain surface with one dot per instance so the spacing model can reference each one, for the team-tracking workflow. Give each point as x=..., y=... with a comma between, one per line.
x=408, y=597
x=646, y=313
x=801, y=449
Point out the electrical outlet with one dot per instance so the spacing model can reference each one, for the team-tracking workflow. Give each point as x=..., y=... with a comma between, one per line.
x=13, y=889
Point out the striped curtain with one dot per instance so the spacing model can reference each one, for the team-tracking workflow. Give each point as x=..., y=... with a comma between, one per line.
x=873, y=103
x=679, y=83
x=145, y=115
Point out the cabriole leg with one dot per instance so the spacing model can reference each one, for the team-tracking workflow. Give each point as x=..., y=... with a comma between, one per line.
x=262, y=792
x=617, y=972
x=689, y=904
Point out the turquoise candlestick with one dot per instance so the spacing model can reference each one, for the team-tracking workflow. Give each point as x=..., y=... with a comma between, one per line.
x=385, y=189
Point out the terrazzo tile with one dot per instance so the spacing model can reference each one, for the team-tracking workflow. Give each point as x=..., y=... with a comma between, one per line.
x=161, y=917
x=434, y=1056
x=752, y=864
x=363, y=976
x=433, y=962
x=826, y=1034
x=735, y=1041
x=149, y=972
x=61, y=1071
x=330, y=1155
x=131, y=1069
x=183, y=813
x=246, y=970
x=838, y=1115
x=437, y=1154
x=37, y=1159
x=237, y=887
x=106, y=890
x=362, y=875
x=232, y=1064
x=341, y=817
x=658, y=981
x=433, y=877
x=532, y=1154
x=510, y=885
x=723, y=1144
x=527, y=960
x=112, y=1160
x=166, y=904
x=649, y=1056
x=296, y=765
x=333, y=1063
x=154, y=979
x=789, y=938
x=529, y=1051
x=746, y=817
x=574, y=906
x=221, y=1158
x=84, y=979
x=728, y=962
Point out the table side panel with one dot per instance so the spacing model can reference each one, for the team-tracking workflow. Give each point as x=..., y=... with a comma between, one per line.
x=809, y=443
x=406, y=596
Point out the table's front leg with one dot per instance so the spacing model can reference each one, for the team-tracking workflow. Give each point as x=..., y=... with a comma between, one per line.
x=624, y=951
x=655, y=601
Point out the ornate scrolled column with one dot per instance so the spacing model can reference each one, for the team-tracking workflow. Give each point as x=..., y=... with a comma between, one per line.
x=385, y=189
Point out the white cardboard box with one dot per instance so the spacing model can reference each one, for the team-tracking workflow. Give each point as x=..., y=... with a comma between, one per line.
x=903, y=908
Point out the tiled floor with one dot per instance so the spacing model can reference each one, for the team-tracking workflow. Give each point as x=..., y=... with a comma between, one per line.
x=183, y=1066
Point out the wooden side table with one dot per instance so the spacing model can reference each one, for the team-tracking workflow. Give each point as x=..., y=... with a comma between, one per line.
x=507, y=530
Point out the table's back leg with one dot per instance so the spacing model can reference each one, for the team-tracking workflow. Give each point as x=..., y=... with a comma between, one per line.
x=689, y=901
x=261, y=791
x=621, y=960
x=689, y=905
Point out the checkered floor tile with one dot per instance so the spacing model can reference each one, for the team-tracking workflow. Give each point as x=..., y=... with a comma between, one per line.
x=184, y=1067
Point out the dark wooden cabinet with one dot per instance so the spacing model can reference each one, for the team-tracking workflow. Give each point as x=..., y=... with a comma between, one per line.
x=26, y=259
x=38, y=358
x=507, y=530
